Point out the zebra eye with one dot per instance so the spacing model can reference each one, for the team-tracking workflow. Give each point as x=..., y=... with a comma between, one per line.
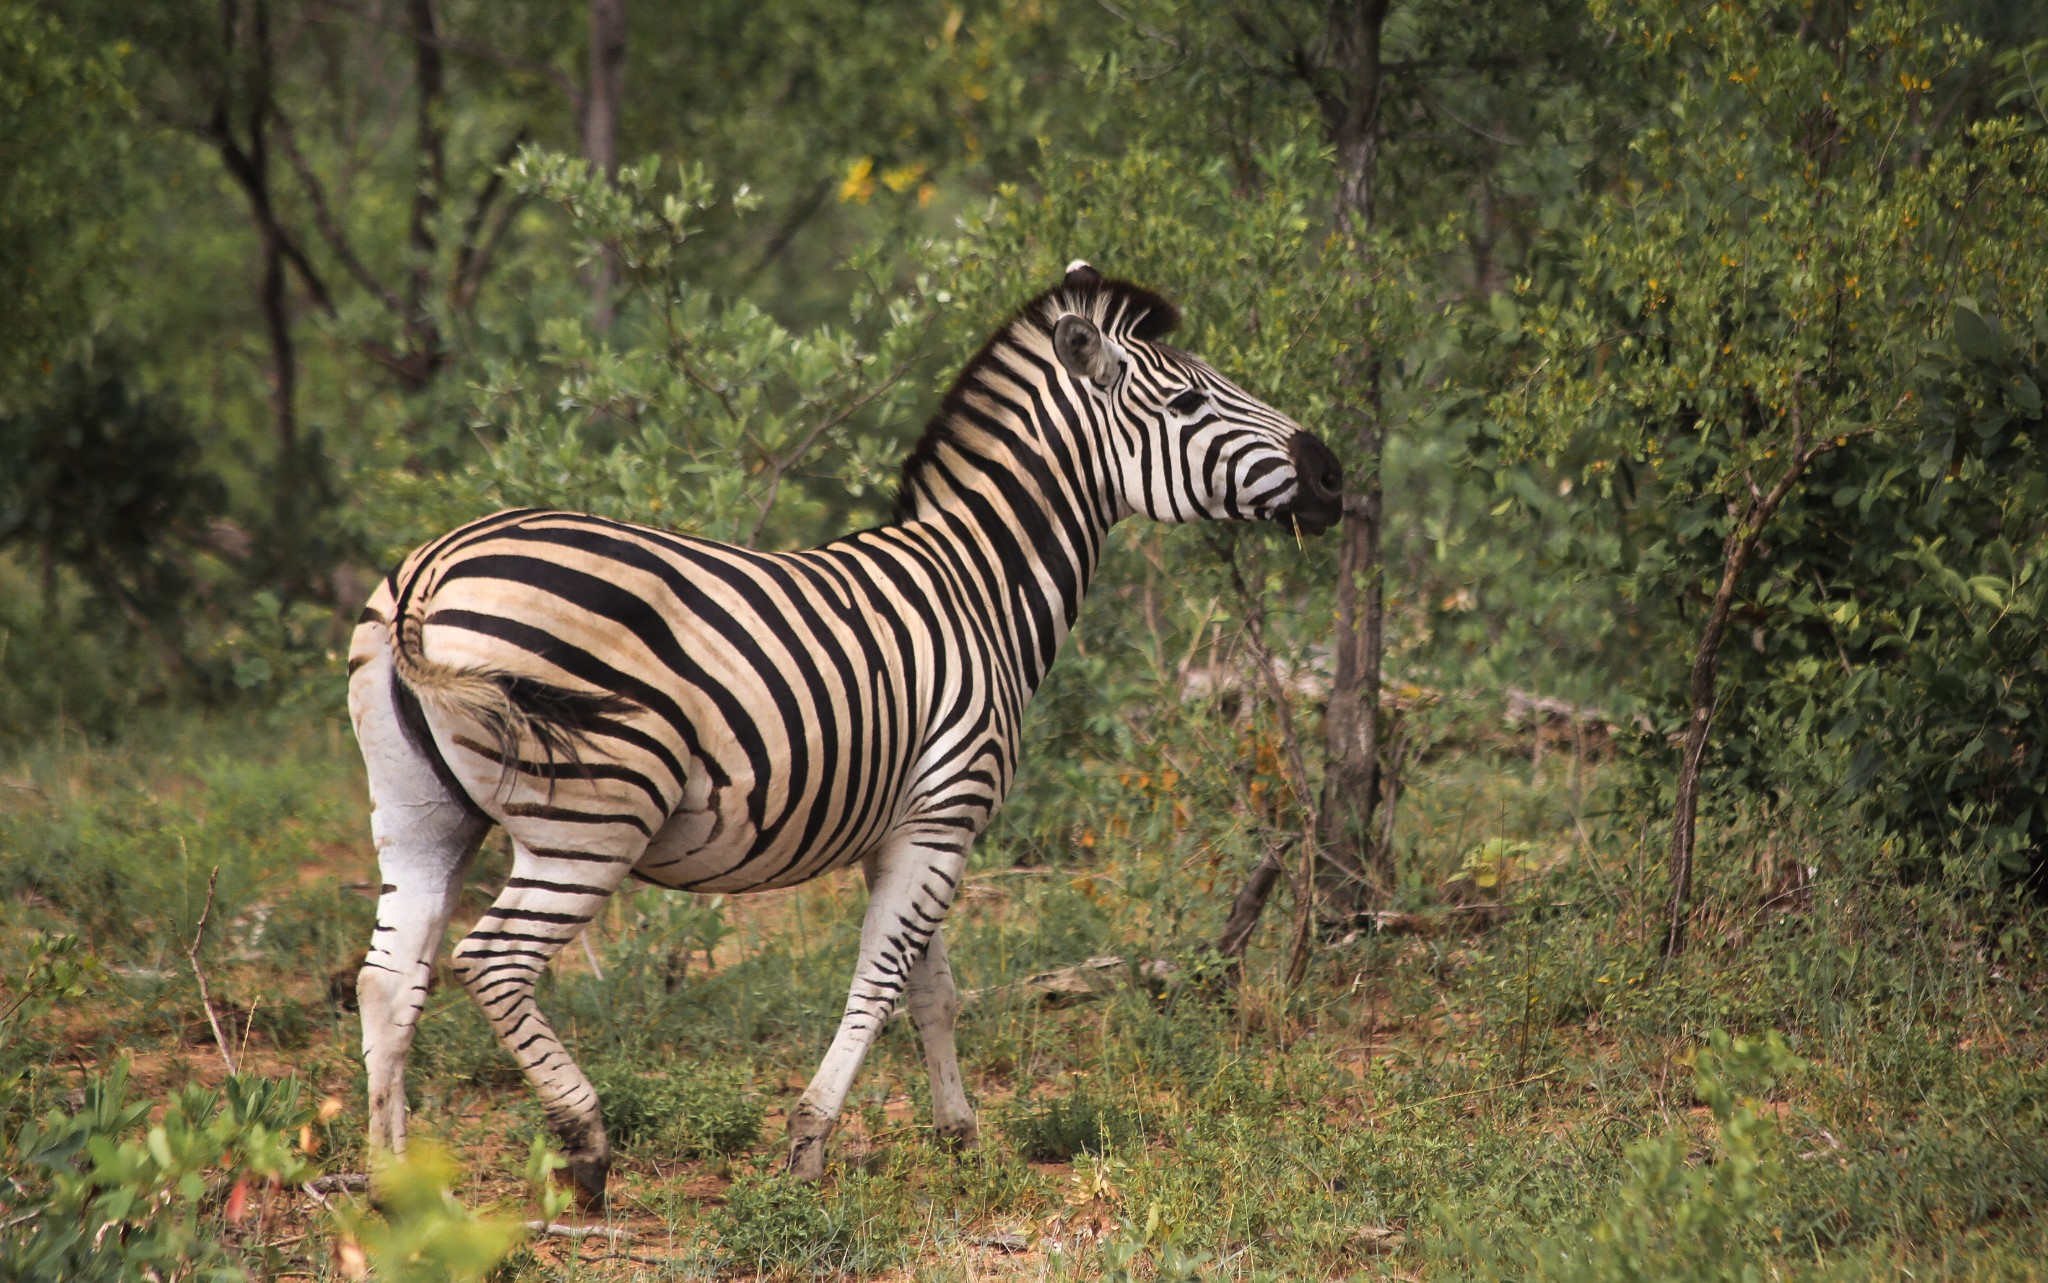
x=1188, y=402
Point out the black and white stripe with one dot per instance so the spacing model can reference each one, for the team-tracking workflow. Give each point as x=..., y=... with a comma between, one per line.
x=622, y=699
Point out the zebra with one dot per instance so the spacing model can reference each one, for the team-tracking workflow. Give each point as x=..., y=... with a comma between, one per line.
x=623, y=700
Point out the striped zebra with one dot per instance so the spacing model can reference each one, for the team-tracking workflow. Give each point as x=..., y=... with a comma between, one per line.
x=625, y=700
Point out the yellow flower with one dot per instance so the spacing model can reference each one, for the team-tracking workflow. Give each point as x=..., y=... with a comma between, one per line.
x=860, y=181
x=900, y=178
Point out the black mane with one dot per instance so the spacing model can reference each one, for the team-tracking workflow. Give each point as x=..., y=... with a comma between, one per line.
x=1122, y=308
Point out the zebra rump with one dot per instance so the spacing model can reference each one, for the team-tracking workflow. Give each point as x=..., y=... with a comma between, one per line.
x=509, y=707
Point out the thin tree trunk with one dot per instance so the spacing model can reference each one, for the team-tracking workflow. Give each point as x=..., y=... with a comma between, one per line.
x=1251, y=900
x=250, y=167
x=423, y=358
x=601, y=103
x=1351, y=731
x=284, y=364
x=1737, y=549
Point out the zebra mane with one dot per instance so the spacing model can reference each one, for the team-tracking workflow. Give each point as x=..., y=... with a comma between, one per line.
x=1124, y=309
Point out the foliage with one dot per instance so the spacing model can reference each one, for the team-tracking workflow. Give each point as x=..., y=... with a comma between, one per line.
x=1742, y=317
x=1670, y=1220
x=1080, y=1122
x=678, y=1113
x=103, y=1193
x=102, y=479
x=1945, y=704
x=706, y=413
x=771, y=1222
x=420, y=1234
x=66, y=109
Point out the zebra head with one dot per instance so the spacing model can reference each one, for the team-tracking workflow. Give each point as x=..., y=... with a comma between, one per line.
x=1185, y=442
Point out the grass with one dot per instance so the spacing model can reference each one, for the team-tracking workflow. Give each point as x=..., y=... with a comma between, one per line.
x=1542, y=1099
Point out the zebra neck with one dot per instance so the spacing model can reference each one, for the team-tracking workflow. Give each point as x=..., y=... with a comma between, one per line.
x=1029, y=529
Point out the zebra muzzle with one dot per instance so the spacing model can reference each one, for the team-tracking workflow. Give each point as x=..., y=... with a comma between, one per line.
x=1319, y=486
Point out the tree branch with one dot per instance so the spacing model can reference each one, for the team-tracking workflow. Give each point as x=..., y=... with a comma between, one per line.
x=192, y=954
x=323, y=216
x=473, y=261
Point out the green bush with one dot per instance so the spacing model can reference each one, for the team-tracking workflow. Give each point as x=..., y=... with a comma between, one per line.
x=1671, y=1221
x=1081, y=1122
x=771, y=1222
x=678, y=1114
x=100, y=1192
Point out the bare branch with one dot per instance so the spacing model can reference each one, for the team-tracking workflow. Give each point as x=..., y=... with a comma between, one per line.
x=323, y=215
x=199, y=974
x=559, y=1230
x=479, y=240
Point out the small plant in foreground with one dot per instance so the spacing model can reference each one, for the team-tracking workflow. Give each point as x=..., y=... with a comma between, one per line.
x=1672, y=1222
x=1054, y=1131
x=771, y=1222
x=690, y=1115
x=101, y=1193
x=423, y=1235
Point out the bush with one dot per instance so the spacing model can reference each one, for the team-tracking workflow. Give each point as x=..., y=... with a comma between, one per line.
x=1672, y=1221
x=772, y=1222
x=680, y=1115
x=101, y=1193
x=1082, y=1122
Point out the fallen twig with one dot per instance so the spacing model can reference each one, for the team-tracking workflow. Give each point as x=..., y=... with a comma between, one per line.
x=558, y=1230
x=205, y=999
x=338, y=1183
x=1094, y=978
x=1385, y=1114
x=1456, y=917
x=1082, y=982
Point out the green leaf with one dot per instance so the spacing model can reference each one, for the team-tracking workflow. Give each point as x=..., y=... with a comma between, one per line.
x=1977, y=338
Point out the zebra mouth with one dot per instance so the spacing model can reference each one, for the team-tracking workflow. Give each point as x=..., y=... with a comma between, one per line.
x=1309, y=520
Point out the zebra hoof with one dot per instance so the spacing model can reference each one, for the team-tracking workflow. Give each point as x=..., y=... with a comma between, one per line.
x=586, y=1179
x=807, y=1160
x=960, y=1137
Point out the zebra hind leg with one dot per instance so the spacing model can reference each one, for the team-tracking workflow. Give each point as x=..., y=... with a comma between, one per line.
x=934, y=1007
x=425, y=838
x=546, y=903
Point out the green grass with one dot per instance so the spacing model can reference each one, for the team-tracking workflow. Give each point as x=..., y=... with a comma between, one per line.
x=1535, y=1100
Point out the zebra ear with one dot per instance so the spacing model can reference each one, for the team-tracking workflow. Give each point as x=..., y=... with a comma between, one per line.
x=1082, y=349
x=1080, y=275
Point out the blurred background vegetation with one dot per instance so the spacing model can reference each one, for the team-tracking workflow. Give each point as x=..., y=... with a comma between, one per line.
x=1685, y=359
x=297, y=283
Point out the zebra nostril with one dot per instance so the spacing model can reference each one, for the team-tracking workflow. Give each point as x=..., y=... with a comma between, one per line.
x=1322, y=476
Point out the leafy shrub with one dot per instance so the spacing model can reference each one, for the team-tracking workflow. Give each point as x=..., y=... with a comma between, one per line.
x=101, y=1193
x=678, y=1114
x=1669, y=1220
x=1082, y=1122
x=420, y=1234
x=772, y=1222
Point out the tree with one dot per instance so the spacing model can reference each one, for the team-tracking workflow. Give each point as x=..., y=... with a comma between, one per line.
x=1753, y=292
x=67, y=117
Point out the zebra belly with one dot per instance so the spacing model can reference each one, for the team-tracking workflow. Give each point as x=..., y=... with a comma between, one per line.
x=711, y=844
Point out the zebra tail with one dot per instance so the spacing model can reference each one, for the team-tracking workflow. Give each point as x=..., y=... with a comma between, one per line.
x=511, y=708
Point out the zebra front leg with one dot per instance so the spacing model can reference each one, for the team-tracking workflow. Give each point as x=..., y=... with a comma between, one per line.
x=547, y=901
x=934, y=1007
x=910, y=887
